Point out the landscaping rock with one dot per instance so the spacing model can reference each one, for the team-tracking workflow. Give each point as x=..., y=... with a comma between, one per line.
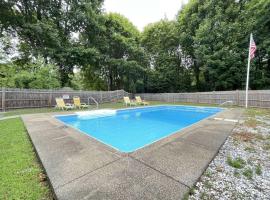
x=223, y=180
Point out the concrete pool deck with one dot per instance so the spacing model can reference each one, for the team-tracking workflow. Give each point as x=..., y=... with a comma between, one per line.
x=80, y=167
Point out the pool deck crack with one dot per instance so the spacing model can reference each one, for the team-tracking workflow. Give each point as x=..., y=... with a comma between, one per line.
x=196, y=144
x=164, y=174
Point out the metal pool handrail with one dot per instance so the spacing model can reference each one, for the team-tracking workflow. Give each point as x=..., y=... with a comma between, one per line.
x=226, y=102
x=93, y=100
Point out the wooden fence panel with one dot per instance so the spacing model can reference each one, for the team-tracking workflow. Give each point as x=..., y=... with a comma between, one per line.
x=12, y=98
x=257, y=98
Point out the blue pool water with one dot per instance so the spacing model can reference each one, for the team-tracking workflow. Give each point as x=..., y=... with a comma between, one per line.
x=130, y=129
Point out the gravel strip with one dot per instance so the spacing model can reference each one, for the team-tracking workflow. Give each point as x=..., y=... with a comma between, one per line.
x=241, y=170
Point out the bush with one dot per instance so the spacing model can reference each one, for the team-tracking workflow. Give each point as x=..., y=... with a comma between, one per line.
x=23, y=79
x=37, y=75
x=7, y=72
x=46, y=77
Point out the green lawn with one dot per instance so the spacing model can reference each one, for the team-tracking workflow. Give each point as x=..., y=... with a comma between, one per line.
x=115, y=105
x=20, y=172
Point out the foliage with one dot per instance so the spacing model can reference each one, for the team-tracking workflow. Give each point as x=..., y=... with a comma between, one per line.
x=76, y=82
x=119, y=62
x=46, y=28
x=7, y=73
x=259, y=12
x=204, y=48
x=165, y=69
x=32, y=75
x=214, y=35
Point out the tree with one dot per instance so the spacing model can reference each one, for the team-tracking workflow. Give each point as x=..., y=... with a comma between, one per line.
x=258, y=13
x=204, y=48
x=215, y=41
x=188, y=21
x=215, y=35
x=7, y=72
x=119, y=56
x=165, y=59
x=36, y=74
x=46, y=28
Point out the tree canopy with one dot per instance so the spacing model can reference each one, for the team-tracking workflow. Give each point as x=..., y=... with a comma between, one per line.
x=204, y=48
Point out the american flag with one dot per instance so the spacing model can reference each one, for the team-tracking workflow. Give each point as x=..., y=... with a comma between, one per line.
x=252, y=48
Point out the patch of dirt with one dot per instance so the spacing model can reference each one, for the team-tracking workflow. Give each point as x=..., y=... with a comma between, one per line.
x=42, y=177
x=244, y=136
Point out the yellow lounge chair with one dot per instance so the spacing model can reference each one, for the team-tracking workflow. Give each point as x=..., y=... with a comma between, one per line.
x=78, y=104
x=140, y=101
x=127, y=101
x=61, y=104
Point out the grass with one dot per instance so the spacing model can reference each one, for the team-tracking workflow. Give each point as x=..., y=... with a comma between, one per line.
x=114, y=105
x=236, y=163
x=208, y=173
x=250, y=149
x=253, y=112
x=20, y=172
x=208, y=184
x=251, y=123
x=188, y=193
x=248, y=173
x=266, y=146
x=258, y=169
x=236, y=173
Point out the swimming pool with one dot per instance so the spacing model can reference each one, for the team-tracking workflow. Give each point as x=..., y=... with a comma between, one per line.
x=130, y=129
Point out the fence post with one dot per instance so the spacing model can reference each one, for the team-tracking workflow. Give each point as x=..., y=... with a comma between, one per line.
x=101, y=97
x=237, y=97
x=3, y=99
x=213, y=97
x=50, y=98
x=110, y=96
x=260, y=101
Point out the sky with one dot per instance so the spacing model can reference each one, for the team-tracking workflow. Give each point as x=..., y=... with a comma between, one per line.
x=143, y=12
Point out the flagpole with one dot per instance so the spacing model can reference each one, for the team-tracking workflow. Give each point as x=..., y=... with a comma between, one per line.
x=248, y=67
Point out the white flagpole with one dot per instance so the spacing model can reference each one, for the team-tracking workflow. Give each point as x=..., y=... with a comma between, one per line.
x=248, y=70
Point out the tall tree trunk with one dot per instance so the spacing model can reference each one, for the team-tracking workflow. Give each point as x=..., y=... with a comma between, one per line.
x=110, y=79
x=64, y=75
x=197, y=75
